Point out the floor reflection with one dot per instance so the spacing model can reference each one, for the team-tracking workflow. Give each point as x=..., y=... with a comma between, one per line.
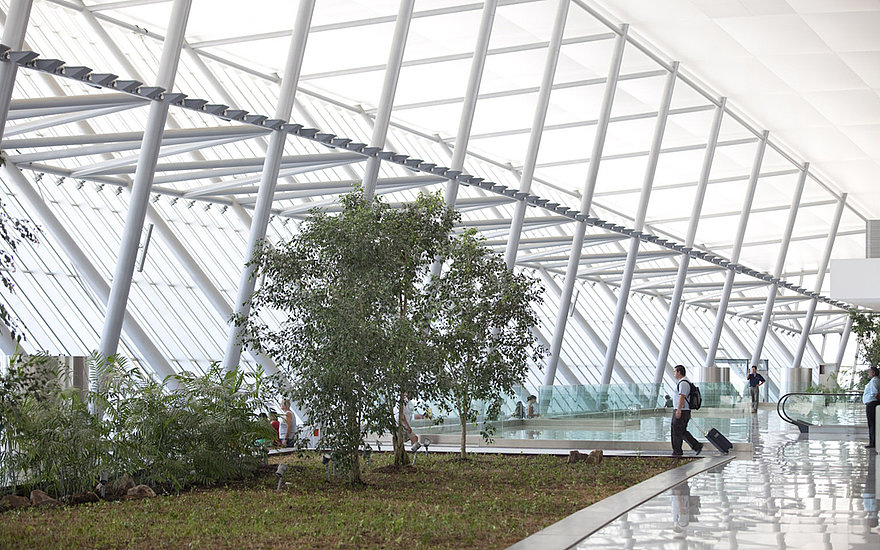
x=795, y=492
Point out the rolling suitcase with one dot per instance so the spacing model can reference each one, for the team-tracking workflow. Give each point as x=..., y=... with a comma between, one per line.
x=720, y=442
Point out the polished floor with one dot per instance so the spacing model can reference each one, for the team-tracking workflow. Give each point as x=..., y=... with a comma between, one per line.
x=794, y=493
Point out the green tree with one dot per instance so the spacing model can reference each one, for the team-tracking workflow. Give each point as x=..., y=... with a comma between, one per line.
x=351, y=333
x=866, y=327
x=482, y=320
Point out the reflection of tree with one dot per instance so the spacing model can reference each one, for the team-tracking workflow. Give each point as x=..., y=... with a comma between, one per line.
x=12, y=231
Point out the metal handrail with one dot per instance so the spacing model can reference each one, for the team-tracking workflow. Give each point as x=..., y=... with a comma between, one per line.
x=803, y=425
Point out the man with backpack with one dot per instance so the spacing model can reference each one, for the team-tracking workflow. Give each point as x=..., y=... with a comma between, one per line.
x=682, y=415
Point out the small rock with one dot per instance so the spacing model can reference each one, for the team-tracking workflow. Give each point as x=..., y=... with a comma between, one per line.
x=12, y=502
x=595, y=457
x=119, y=487
x=140, y=491
x=39, y=498
x=82, y=498
x=573, y=456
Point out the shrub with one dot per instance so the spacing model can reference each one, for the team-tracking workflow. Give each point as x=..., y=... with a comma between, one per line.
x=48, y=439
x=202, y=432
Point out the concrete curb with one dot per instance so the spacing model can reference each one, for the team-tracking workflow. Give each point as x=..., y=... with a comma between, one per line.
x=569, y=531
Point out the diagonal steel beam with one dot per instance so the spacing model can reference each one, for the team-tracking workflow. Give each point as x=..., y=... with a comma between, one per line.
x=47, y=106
x=143, y=181
x=269, y=179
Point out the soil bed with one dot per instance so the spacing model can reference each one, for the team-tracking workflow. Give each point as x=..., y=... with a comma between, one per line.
x=489, y=501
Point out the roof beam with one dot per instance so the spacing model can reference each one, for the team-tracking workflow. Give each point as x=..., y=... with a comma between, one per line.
x=170, y=134
x=814, y=236
x=311, y=189
x=635, y=154
x=345, y=24
x=671, y=186
x=254, y=162
x=460, y=56
x=524, y=91
x=45, y=106
x=60, y=120
x=778, y=208
x=585, y=123
x=288, y=168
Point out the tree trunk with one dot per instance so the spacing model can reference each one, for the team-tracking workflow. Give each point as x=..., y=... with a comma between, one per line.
x=463, y=420
x=354, y=476
x=398, y=438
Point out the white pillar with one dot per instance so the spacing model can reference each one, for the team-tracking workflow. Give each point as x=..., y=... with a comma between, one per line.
x=820, y=278
x=531, y=158
x=844, y=340
x=780, y=264
x=389, y=88
x=269, y=178
x=577, y=241
x=143, y=181
x=13, y=36
x=675, y=301
x=734, y=255
x=469, y=106
x=639, y=224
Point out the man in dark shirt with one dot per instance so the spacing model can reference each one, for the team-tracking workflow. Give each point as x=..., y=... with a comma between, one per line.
x=755, y=381
x=682, y=415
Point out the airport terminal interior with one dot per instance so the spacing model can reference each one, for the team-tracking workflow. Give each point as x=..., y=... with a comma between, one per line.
x=691, y=181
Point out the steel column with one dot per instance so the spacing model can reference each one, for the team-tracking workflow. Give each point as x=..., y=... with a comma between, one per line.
x=389, y=88
x=780, y=263
x=577, y=241
x=639, y=224
x=531, y=158
x=724, y=300
x=675, y=301
x=143, y=181
x=269, y=178
x=470, y=97
x=632, y=325
x=13, y=36
x=84, y=267
x=591, y=334
x=820, y=278
x=844, y=340
x=564, y=370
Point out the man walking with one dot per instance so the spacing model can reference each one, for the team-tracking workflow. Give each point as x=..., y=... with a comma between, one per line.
x=755, y=382
x=871, y=398
x=682, y=415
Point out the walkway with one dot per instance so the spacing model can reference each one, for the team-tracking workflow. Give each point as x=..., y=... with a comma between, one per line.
x=793, y=493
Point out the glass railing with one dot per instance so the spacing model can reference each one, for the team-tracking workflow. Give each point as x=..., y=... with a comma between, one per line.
x=615, y=412
x=806, y=410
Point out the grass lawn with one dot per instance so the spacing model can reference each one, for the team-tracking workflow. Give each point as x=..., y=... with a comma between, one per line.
x=489, y=501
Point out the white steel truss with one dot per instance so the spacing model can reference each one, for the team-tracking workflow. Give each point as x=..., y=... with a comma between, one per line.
x=520, y=195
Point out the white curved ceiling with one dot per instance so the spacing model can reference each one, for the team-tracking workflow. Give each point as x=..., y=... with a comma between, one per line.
x=806, y=70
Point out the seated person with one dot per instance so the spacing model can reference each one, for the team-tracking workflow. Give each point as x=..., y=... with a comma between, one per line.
x=520, y=411
x=533, y=407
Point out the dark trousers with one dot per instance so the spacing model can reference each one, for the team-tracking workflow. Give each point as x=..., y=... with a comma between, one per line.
x=680, y=432
x=871, y=412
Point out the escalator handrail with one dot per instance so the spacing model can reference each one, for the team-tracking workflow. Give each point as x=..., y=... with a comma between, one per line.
x=780, y=405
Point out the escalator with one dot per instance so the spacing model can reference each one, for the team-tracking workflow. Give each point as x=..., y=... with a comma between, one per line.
x=826, y=412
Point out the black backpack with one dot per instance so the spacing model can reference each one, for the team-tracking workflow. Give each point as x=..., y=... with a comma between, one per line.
x=694, y=399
